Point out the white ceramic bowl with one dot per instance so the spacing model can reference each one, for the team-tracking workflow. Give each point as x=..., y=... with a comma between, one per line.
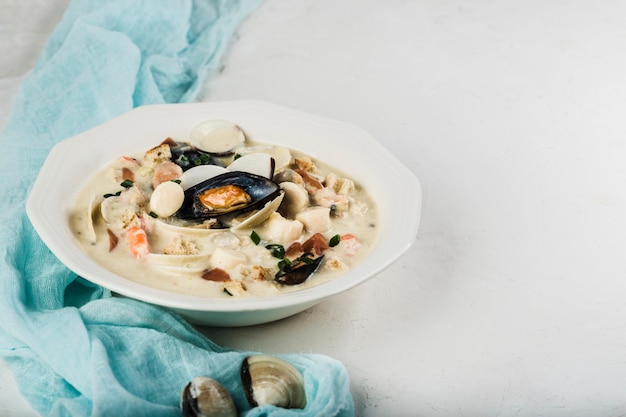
x=395, y=189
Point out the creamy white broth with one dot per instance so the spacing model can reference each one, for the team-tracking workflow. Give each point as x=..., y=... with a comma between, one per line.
x=181, y=254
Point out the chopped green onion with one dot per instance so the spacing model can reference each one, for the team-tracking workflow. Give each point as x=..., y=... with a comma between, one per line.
x=284, y=263
x=177, y=181
x=255, y=237
x=126, y=183
x=153, y=214
x=334, y=241
x=278, y=251
x=112, y=195
x=237, y=156
x=305, y=259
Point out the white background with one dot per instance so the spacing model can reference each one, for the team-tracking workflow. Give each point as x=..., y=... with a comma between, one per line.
x=512, y=114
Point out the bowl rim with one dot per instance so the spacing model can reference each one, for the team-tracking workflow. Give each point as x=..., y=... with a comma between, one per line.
x=54, y=234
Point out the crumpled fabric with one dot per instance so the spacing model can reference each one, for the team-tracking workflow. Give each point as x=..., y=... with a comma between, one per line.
x=76, y=350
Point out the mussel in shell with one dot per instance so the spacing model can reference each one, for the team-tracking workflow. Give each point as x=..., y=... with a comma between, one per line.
x=270, y=380
x=227, y=194
x=205, y=397
x=297, y=271
x=187, y=156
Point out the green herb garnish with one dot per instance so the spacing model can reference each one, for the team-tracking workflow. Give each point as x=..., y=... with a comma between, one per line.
x=334, y=241
x=278, y=251
x=255, y=238
x=228, y=292
x=153, y=214
x=126, y=184
x=284, y=264
x=112, y=195
x=177, y=181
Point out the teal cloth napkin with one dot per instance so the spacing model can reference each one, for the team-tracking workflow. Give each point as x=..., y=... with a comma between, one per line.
x=74, y=349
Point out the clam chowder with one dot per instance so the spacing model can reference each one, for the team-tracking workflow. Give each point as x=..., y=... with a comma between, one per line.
x=219, y=215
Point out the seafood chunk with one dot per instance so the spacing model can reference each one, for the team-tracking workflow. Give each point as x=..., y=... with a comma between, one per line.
x=315, y=219
x=281, y=230
x=296, y=199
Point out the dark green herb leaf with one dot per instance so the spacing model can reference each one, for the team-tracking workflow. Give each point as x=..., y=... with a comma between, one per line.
x=126, y=183
x=306, y=259
x=255, y=238
x=112, y=195
x=153, y=214
x=237, y=156
x=334, y=241
x=284, y=263
x=176, y=181
x=278, y=251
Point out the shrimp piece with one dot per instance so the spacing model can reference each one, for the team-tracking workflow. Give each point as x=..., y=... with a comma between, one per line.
x=165, y=171
x=351, y=244
x=138, y=242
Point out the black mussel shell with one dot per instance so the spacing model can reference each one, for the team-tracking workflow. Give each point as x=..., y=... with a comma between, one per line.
x=186, y=156
x=260, y=189
x=299, y=270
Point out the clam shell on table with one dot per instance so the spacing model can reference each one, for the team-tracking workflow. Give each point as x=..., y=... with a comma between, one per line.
x=205, y=397
x=271, y=380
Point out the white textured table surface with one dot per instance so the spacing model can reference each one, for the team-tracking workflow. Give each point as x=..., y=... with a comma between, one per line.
x=512, y=114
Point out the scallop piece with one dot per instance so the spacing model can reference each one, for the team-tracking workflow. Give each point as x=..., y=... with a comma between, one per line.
x=315, y=219
x=205, y=397
x=200, y=173
x=271, y=380
x=255, y=163
x=217, y=136
x=167, y=198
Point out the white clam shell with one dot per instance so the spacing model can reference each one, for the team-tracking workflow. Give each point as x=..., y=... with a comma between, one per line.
x=200, y=173
x=259, y=216
x=270, y=380
x=205, y=397
x=255, y=163
x=217, y=136
x=92, y=209
x=167, y=198
x=281, y=154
